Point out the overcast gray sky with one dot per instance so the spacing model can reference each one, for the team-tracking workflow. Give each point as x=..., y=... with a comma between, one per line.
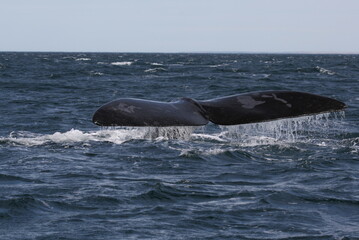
x=310, y=26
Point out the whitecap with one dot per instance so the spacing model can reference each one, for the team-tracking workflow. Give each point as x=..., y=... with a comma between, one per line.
x=83, y=59
x=69, y=57
x=153, y=70
x=156, y=64
x=121, y=63
x=93, y=73
x=219, y=65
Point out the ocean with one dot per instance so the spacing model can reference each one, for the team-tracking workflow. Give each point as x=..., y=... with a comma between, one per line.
x=63, y=177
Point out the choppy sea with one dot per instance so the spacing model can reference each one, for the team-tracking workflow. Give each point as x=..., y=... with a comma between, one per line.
x=62, y=177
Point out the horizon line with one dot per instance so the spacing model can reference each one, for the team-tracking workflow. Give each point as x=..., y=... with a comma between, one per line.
x=188, y=52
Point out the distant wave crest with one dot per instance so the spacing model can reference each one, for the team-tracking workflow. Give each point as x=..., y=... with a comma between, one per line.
x=83, y=59
x=121, y=63
x=153, y=70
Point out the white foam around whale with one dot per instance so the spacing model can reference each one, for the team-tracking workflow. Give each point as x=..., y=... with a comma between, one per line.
x=293, y=130
x=111, y=135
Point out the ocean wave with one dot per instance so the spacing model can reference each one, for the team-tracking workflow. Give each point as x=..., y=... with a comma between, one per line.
x=173, y=192
x=203, y=151
x=94, y=73
x=69, y=57
x=219, y=65
x=4, y=178
x=153, y=70
x=22, y=205
x=121, y=63
x=83, y=59
x=156, y=64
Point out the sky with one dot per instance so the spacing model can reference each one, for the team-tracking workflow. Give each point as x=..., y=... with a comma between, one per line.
x=251, y=26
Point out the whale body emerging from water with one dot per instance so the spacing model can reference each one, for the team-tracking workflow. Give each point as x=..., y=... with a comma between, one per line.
x=231, y=110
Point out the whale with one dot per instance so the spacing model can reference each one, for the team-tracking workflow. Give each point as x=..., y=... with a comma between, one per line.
x=252, y=107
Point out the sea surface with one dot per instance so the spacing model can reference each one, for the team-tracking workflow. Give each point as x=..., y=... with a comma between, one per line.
x=62, y=177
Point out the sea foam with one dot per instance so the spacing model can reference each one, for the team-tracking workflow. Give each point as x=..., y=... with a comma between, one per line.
x=110, y=135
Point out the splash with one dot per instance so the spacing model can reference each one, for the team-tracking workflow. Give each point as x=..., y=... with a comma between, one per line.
x=167, y=133
x=325, y=71
x=292, y=130
x=73, y=136
x=303, y=129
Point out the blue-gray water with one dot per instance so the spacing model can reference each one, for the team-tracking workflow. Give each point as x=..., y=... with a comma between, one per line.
x=62, y=177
